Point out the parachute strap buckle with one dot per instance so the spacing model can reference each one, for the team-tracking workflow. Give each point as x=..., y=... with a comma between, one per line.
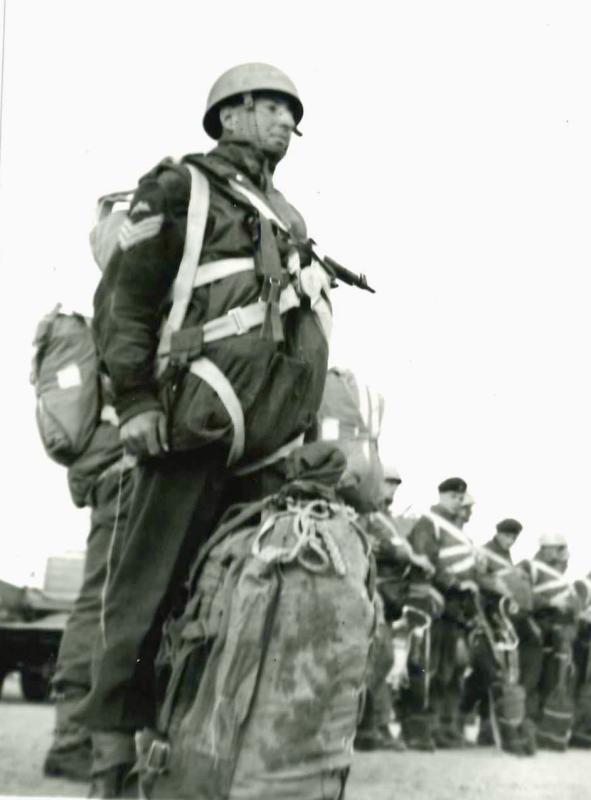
x=158, y=757
x=236, y=315
x=271, y=290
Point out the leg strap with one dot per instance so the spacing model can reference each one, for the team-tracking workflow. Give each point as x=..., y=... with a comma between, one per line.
x=206, y=370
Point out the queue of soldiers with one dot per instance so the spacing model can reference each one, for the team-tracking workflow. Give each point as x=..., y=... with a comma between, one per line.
x=483, y=637
x=212, y=323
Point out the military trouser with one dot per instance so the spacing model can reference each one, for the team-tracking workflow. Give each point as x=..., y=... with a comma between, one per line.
x=378, y=698
x=581, y=736
x=72, y=680
x=415, y=707
x=176, y=504
x=546, y=675
x=446, y=686
x=538, y=669
x=429, y=706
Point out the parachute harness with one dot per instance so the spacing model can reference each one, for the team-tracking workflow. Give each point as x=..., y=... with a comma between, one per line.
x=314, y=547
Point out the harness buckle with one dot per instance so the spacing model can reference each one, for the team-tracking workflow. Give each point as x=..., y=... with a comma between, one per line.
x=271, y=290
x=235, y=315
x=158, y=757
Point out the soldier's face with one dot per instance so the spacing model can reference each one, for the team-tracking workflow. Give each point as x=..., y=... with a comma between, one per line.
x=390, y=488
x=269, y=125
x=557, y=555
x=505, y=540
x=451, y=501
x=465, y=513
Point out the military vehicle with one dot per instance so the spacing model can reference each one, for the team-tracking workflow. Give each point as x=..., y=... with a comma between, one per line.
x=32, y=622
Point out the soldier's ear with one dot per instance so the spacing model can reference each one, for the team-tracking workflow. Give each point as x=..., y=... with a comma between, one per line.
x=228, y=119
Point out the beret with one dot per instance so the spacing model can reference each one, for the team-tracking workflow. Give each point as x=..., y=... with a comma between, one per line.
x=453, y=485
x=509, y=526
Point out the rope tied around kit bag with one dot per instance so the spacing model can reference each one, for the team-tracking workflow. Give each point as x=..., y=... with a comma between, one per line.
x=314, y=547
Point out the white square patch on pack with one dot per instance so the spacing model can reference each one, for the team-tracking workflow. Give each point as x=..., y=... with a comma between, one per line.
x=330, y=429
x=69, y=377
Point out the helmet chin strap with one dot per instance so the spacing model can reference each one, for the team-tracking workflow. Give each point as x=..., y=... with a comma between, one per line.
x=272, y=157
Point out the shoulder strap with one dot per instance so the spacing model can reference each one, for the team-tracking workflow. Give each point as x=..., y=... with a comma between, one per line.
x=183, y=285
x=440, y=522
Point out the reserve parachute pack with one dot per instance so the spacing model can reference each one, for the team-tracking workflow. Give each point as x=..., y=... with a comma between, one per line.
x=65, y=376
x=495, y=639
x=269, y=669
x=350, y=415
x=244, y=378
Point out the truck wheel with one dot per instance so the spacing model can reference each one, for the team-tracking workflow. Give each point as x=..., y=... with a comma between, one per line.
x=34, y=685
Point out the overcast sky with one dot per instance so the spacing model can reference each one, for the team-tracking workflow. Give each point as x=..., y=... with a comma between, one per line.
x=446, y=153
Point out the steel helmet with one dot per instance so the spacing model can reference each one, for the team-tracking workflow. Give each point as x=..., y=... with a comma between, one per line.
x=468, y=501
x=553, y=540
x=391, y=473
x=243, y=79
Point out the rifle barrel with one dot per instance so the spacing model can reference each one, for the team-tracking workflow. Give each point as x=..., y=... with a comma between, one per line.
x=345, y=275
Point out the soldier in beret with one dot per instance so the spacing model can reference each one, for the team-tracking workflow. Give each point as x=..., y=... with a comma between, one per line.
x=497, y=551
x=440, y=599
x=495, y=561
x=464, y=515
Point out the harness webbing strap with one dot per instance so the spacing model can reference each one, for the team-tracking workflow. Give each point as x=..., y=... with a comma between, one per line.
x=495, y=558
x=440, y=522
x=455, y=550
x=186, y=276
x=259, y=203
x=224, y=268
x=460, y=566
x=277, y=455
x=238, y=321
x=552, y=585
x=210, y=373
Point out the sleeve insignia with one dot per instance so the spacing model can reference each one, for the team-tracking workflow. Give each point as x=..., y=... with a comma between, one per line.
x=132, y=233
x=141, y=207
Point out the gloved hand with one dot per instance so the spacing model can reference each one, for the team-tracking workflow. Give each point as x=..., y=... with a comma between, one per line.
x=145, y=434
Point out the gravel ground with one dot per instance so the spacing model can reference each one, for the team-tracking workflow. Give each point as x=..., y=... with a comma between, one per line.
x=475, y=774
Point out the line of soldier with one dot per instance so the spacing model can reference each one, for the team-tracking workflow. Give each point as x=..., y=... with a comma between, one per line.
x=482, y=637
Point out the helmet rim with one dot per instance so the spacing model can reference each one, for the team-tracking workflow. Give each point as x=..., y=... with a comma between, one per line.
x=242, y=79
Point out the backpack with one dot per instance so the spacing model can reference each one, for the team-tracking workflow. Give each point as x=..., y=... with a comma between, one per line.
x=111, y=213
x=267, y=681
x=350, y=415
x=65, y=377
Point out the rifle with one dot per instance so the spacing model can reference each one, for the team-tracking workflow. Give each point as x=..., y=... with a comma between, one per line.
x=341, y=273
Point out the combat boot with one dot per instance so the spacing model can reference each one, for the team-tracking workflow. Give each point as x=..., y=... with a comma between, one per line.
x=581, y=739
x=425, y=744
x=73, y=764
x=70, y=754
x=390, y=742
x=485, y=734
x=377, y=739
x=109, y=783
x=448, y=740
x=417, y=733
